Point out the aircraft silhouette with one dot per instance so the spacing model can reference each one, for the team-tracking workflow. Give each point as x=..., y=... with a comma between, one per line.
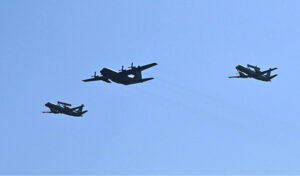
x=131, y=76
x=64, y=108
x=254, y=72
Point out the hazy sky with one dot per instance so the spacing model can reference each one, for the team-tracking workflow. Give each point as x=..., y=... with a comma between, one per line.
x=191, y=119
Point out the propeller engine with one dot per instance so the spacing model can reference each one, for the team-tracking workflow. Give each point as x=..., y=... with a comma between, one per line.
x=95, y=75
x=122, y=69
x=131, y=66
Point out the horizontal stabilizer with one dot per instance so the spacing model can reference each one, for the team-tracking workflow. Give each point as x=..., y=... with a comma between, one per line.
x=273, y=76
x=84, y=112
x=146, y=79
x=267, y=71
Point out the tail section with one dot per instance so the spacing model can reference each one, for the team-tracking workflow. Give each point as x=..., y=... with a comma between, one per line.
x=83, y=112
x=79, y=108
x=271, y=77
x=146, y=79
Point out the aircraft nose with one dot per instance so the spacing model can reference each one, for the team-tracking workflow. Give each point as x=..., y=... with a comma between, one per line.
x=239, y=66
x=103, y=71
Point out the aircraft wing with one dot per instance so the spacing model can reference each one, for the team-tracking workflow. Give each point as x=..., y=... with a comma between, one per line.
x=234, y=77
x=241, y=75
x=97, y=78
x=147, y=66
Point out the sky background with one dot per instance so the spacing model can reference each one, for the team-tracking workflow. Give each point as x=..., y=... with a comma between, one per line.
x=191, y=119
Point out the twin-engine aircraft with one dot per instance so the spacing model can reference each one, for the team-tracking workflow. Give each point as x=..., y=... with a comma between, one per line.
x=131, y=76
x=254, y=72
x=64, y=108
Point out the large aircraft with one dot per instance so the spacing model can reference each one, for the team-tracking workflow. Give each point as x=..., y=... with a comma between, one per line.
x=64, y=108
x=254, y=72
x=131, y=76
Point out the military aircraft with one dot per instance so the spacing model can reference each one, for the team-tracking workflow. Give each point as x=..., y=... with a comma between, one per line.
x=64, y=108
x=131, y=76
x=254, y=72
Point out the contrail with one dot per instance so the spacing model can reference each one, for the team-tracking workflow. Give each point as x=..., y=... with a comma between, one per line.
x=205, y=98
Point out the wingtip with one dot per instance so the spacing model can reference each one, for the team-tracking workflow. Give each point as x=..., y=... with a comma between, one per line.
x=85, y=80
x=153, y=64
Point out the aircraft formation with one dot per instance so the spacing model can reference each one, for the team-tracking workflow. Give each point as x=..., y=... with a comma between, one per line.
x=133, y=75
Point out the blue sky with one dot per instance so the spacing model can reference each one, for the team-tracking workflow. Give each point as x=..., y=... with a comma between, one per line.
x=191, y=119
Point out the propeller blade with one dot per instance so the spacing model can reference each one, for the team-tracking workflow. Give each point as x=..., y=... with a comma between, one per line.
x=131, y=66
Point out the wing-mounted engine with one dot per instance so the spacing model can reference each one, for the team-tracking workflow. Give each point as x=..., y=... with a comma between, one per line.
x=122, y=69
x=141, y=68
x=242, y=75
x=95, y=77
x=132, y=67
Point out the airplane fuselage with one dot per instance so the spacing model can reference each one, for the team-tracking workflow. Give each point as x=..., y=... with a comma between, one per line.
x=252, y=74
x=120, y=77
x=64, y=110
x=126, y=77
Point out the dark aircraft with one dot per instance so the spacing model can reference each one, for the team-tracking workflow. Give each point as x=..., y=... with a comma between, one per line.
x=64, y=108
x=254, y=72
x=131, y=76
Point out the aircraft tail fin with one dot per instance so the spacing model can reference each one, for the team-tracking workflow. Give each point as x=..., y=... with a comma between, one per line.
x=271, y=77
x=269, y=74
